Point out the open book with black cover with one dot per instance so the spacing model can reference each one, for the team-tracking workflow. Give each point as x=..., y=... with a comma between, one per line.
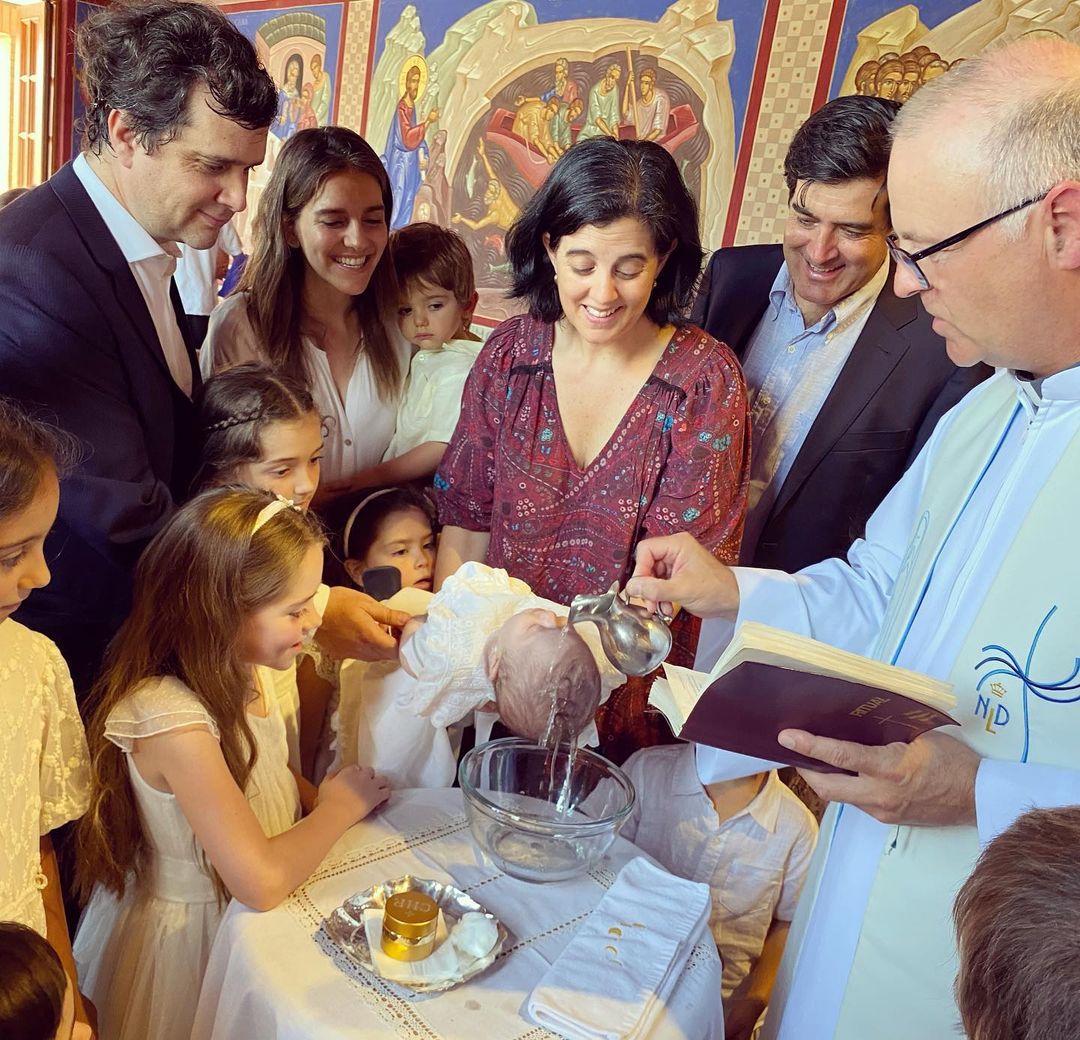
x=769, y=680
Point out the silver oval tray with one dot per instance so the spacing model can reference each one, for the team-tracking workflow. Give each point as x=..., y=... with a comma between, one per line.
x=346, y=926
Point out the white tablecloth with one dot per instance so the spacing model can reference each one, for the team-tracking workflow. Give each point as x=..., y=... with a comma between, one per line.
x=278, y=976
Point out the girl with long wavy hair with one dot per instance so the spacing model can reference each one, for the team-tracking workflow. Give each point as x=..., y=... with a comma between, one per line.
x=192, y=798
x=316, y=302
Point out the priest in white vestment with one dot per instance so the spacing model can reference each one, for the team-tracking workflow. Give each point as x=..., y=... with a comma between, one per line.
x=968, y=571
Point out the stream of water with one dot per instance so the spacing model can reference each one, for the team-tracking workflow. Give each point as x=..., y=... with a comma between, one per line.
x=556, y=734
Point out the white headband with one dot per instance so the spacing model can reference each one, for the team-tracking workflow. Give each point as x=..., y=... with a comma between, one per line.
x=271, y=509
x=352, y=516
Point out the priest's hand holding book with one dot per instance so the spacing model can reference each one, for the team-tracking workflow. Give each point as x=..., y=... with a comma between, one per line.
x=929, y=782
x=858, y=730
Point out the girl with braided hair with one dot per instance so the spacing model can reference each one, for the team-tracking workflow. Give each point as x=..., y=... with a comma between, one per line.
x=261, y=429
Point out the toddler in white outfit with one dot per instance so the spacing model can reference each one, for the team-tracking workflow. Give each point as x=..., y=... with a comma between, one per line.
x=438, y=294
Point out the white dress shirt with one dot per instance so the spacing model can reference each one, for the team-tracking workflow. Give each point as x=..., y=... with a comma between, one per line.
x=754, y=863
x=196, y=270
x=152, y=264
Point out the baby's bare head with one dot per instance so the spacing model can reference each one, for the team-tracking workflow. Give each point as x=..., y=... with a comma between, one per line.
x=533, y=658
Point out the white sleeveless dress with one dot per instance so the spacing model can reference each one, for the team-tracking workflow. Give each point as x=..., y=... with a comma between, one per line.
x=141, y=958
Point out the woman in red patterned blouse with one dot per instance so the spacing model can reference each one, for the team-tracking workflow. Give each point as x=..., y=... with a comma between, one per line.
x=600, y=417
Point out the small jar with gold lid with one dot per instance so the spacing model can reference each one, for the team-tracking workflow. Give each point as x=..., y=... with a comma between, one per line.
x=409, y=923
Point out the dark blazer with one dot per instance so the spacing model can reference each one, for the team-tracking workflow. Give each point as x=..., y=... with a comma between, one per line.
x=78, y=347
x=895, y=385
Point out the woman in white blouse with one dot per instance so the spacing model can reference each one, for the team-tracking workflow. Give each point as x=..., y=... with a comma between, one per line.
x=315, y=300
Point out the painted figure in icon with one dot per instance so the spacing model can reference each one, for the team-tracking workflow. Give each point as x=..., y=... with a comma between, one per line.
x=406, y=150
x=322, y=91
x=501, y=210
x=289, y=105
x=602, y=115
x=649, y=109
x=532, y=123
x=561, y=124
x=565, y=89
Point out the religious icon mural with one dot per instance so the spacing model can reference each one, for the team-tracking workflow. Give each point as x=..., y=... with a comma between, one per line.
x=470, y=104
x=895, y=54
x=472, y=108
x=407, y=153
x=301, y=48
x=897, y=76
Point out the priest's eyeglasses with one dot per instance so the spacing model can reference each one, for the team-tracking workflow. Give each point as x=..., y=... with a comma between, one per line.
x=910, y=261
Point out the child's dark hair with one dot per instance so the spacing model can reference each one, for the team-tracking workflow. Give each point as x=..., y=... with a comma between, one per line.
x=27, y=449
x=362, y=527
x=32, y=984
x=1017, y=923
x=237, y=406
x=428, y=253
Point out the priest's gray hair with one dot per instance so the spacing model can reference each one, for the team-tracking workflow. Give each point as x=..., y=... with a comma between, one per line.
x=1019, y=106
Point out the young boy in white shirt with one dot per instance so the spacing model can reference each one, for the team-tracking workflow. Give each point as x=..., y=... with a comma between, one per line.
x=750, y=839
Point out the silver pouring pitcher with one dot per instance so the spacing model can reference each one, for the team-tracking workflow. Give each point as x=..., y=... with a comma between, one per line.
x=634, y=640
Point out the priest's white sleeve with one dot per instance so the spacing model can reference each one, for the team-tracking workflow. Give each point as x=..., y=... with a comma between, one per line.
x=1006, y=790
x=842, y=602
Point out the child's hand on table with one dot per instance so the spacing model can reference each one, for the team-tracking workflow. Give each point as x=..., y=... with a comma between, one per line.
x=354, y=790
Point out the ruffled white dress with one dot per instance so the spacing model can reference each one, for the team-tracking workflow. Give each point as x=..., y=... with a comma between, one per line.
x=44, y=765
x=141, y=958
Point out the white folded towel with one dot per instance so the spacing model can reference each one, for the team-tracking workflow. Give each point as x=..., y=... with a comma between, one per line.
x=613, y=979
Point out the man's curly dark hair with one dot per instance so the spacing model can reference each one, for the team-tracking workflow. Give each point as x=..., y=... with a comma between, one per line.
x=145, y=59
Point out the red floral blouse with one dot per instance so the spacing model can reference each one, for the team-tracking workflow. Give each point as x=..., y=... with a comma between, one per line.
x=678, y=461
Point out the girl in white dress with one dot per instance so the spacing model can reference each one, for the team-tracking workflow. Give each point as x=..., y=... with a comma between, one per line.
x=193, y=799
x=261, y=429
x=44, y=766
x=316, y=302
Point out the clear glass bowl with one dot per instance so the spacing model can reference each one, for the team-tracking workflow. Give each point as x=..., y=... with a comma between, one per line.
x=535, y=818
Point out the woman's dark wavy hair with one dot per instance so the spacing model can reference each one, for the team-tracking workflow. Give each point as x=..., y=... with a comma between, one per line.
x=29, y=448
x=274, y=276
x=598, y=182
x=146, y=58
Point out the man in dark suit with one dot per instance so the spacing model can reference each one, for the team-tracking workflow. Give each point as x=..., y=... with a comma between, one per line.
x=846, y=380
x=94, y=337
